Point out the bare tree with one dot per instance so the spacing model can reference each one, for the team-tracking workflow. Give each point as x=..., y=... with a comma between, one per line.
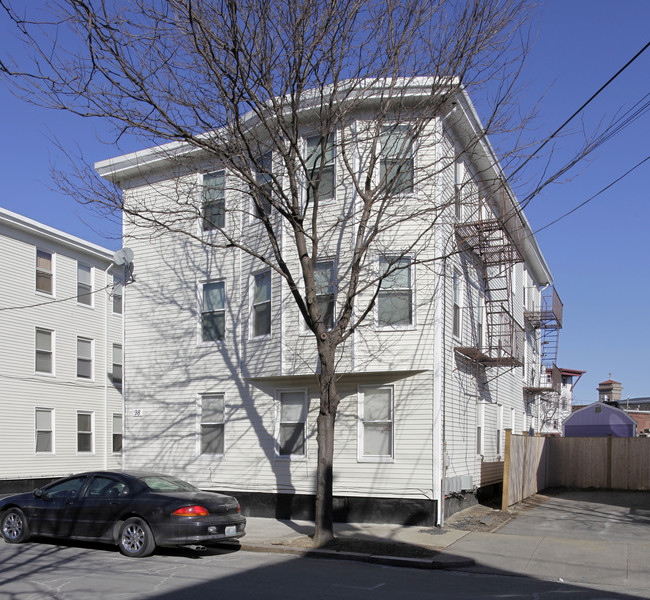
x=236, y=82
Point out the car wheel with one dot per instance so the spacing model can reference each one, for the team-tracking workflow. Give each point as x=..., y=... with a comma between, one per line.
x=135, y=538
x=14, y=526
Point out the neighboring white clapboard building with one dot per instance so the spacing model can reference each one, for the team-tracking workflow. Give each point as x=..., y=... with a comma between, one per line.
x=61, y=343
x=221, y=385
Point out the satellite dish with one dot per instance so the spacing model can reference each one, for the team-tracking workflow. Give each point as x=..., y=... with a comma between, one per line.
x=124, y=256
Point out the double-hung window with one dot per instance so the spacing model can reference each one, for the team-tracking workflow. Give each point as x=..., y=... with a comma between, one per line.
x=117, y=432
x=117, y=364
x=44, y=272
x=84, y=358
x=396, y=167
x=325, y=291
x=480, y=327
x=84, y=284
x=261, y=312
x=118, y=284
x=457, y=294
x=376, y=423
x=214, y=200
x=44, y=430
x=458, y=189
x=213, y=311
x=85, y=432
x=291, y=431
x=395, y=298
x=44, y=359
x=212, y=423
x=320, y=163
x=264, y=180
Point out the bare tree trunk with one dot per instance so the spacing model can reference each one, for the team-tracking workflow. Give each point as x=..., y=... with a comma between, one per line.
x=329, y=401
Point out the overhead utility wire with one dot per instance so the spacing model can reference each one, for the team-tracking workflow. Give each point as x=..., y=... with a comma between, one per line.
x=577, y=112
x=594, y=196
x=110, y=285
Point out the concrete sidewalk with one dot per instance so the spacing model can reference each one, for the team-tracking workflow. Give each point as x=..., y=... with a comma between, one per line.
x=587, y=538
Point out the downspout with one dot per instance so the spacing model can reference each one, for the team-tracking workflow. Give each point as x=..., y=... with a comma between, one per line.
x=106, y=348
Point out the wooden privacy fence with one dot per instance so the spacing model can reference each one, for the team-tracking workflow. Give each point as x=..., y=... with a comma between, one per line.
x=535, y=463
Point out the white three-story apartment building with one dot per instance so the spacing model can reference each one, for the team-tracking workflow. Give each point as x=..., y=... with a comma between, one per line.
x=221, y=384
x=61, y=344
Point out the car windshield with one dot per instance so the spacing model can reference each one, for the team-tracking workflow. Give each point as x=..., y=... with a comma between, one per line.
x=163, y=483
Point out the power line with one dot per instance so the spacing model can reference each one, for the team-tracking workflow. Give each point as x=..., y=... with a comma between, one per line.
x=577, y=112
x=594, y=196
x=46, y=303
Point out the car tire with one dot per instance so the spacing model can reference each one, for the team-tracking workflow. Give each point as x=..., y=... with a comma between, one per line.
x=135, y=538
x=14, y=527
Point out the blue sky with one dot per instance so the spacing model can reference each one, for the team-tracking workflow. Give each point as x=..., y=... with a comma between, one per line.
x=597, y=255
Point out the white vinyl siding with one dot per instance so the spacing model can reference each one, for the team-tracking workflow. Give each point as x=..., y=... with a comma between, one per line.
x=376, y=423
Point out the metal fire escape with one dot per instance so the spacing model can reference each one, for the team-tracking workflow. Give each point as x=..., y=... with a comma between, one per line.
x=497, y=240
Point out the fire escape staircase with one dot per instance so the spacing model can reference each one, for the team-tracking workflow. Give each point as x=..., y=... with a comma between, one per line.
x=498, y=243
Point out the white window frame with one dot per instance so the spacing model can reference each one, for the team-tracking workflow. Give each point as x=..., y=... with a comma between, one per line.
x=383, y=292
x=90, y=360
x=201, y=297
x=51, y=430
x=89, y=287
x=119, y=433
x=332, y=291
x=51, y=372
x=362, y=422
x=119, y=363
x=206, y=226
x=279, y=422
x=480, y=428
x=391, y=129
x=202, y=400
x=50, y=273
x=311, y=154
x=90, y=432
x=457, y=305
x=254, y=305
x=117, y=294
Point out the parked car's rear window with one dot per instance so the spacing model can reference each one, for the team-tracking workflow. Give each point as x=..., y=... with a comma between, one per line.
x=160, y=483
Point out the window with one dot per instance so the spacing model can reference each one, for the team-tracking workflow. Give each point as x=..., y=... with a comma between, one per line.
x=376, y=423
x=214, y=200
x=291, y=435
x=84, y=432
x=396, y=167
x=69, y=488
x=212, y=423
x=264, y=180
x=395, y=299
x=84, y=284
x=117, y=432
x=262, y=304
x=325, y=291
x=479, y=323
x=480, y=423
x=44, y=272
x=105, y=487
x=499, y=429
x=44, y=351
x=213, y=311
x=320, y=166
x=458, y=189
x=457, y=305
x=44, y=430
x=84, y=358
x=118, y=283
x=117, y=364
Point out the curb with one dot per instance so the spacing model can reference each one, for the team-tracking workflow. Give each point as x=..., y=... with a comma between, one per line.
x=437, y=563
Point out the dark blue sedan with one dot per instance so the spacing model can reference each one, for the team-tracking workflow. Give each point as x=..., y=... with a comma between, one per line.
x=135, y=510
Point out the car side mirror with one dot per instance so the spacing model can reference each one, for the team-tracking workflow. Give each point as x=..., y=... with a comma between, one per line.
x=38, y=493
